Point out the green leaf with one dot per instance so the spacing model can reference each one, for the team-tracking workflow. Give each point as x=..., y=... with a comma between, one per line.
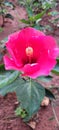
x=56, y=68
x=57, y=60
x=25, y=21
x=20, y=112
x=9, y=4
x=39, y=27
x=3, y=11
x=45, y=78
x=1, y=29
x=49, y=94
x=7, y=77
x=29, y=11
x=37, y=16
x=8, y=88
x=2, y=69
x=2, y=42
x=53, y=13
x=30, y=95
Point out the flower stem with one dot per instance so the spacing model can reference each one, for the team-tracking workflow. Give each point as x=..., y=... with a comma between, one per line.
x=30, y=81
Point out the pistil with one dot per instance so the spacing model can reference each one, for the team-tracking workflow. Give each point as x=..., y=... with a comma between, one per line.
x=29, y=53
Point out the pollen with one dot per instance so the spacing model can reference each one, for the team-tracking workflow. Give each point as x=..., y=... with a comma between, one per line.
x=29, y=51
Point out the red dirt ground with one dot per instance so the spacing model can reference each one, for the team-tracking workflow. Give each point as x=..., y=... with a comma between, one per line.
x=45, y=119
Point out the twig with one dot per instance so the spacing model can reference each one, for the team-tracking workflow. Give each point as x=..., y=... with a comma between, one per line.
x=10, y=117
x=55, y=115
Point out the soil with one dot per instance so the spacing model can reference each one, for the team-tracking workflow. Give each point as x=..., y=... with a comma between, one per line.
x=8, y=121
x=13, y=25
x=44, y=119
x=46, y=116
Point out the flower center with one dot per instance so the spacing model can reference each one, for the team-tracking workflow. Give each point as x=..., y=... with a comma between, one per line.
x=29, y=51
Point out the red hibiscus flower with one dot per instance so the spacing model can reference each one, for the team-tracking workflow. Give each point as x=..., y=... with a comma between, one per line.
x=31, y=52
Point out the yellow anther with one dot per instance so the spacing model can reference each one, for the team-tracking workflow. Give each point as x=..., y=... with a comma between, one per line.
x=29, y=51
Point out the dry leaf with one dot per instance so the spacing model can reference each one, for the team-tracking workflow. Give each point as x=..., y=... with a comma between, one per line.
x=32, y=124
x=45, y=101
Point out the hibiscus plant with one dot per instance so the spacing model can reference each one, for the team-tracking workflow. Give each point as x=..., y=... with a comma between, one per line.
x=4, y=12
x=30, y=57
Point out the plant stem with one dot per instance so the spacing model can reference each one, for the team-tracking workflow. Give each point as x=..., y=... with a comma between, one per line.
x=2, y=21
x=30, y=81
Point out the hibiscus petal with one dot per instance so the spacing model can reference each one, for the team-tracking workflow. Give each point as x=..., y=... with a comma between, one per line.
x=44, y=45
x=29, y=32
x=55, y=52
x=44, y=48
x=10, y=64
x=36, y=70
x=49, y=44
x=18, y=42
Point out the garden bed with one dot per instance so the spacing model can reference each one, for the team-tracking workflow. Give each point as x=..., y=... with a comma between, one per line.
x=45, y=118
